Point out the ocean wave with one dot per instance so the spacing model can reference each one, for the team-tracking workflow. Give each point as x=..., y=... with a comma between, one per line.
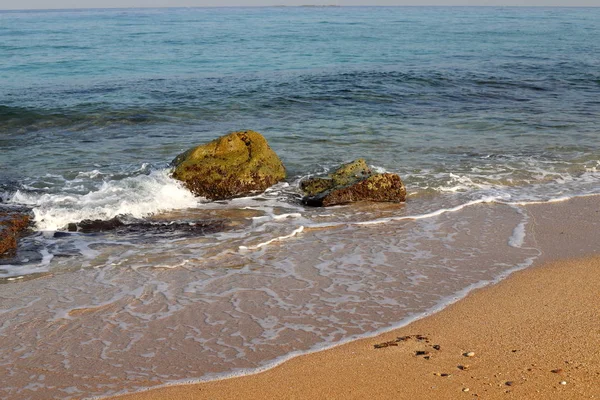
x=75, y=118
x=137, y=196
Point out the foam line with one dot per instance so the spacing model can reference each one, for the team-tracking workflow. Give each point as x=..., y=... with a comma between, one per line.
x=435, y=213
x=277, y=239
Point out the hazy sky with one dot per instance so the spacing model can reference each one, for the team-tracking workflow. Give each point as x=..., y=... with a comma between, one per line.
x=32, y=4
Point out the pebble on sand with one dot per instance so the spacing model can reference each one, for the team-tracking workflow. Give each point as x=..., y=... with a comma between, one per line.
x=469, y=354
x=563, y=382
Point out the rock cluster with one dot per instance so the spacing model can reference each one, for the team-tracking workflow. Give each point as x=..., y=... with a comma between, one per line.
x=242, y=163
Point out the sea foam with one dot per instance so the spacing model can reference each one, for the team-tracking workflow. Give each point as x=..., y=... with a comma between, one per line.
x=135, y=196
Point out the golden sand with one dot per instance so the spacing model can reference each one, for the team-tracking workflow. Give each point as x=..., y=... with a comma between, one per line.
x=535, y=335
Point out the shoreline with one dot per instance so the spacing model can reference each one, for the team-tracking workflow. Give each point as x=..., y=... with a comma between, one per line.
x=516, y=350
x=564, y=234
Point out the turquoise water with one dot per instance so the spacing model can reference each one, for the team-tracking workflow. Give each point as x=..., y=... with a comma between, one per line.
x=480, y=110
x=408, y=88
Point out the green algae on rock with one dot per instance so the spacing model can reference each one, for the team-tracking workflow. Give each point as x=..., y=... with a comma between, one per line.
x=350, y=183
x=13, y=225
x=234, y=165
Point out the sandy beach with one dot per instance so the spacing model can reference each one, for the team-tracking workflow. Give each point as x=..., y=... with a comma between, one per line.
x=163, y=168
x=535, y=335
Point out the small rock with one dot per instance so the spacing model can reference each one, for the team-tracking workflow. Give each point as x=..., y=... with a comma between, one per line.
x=557, y=371
x=445, y=375
x=421, y=353
x=463, y=367
x=465, y=389
x=563, y=382
x=437, y=346
x=469, y=354
x=509, y=383
x=354, y=182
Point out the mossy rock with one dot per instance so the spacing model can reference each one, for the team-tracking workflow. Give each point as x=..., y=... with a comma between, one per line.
x=351, y=183
x=235, y=165
x=345, y=175
x=13, y=226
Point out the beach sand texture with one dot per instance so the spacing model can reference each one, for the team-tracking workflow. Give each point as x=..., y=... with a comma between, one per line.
x=535, y=335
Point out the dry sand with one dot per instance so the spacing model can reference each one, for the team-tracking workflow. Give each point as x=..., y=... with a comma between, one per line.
x=536, y=335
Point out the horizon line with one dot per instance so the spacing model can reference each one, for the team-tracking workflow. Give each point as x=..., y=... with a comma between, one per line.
x=296, y=6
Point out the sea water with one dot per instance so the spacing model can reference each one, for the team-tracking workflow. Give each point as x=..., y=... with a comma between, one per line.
x=479, y=110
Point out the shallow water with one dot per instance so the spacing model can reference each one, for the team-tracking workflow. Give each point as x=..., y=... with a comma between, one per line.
x=480, y=110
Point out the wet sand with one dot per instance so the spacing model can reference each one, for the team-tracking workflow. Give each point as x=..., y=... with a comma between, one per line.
x=535, y=335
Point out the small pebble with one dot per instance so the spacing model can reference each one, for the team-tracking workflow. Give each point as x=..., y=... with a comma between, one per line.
x=563, y=382
x=509, y=383
x=444, y=375
x=557, y=371
x=469, y=354
x=463, y=367
x=465, y=389
x=437, y=346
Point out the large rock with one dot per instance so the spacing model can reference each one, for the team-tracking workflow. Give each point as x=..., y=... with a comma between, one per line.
x=353, y=182
x=234, y=165
x=13, y=225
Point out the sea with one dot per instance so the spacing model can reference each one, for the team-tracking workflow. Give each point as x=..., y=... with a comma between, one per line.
x=480, y=110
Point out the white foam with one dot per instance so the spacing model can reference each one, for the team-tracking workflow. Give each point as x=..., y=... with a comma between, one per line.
x=487, y=199
x=377, y=169
x=554, y=200
x=277, y=239
x=517, y=238
x=137, y=196
x=18, y=271
x=443, y=303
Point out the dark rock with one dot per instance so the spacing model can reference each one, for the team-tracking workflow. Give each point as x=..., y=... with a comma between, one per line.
x=115, y=225
x=60, y=234
x=13, y=226
x=96, y=225
x=235, y=165
x=350, y=183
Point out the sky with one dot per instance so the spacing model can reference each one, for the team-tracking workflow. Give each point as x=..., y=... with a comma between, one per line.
x=53, y=4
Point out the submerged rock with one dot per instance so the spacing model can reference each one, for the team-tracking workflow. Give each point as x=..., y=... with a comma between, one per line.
x=353, y=182
x=172, y=228
x=96, y=225
x=13, y=225
x=234, y=165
